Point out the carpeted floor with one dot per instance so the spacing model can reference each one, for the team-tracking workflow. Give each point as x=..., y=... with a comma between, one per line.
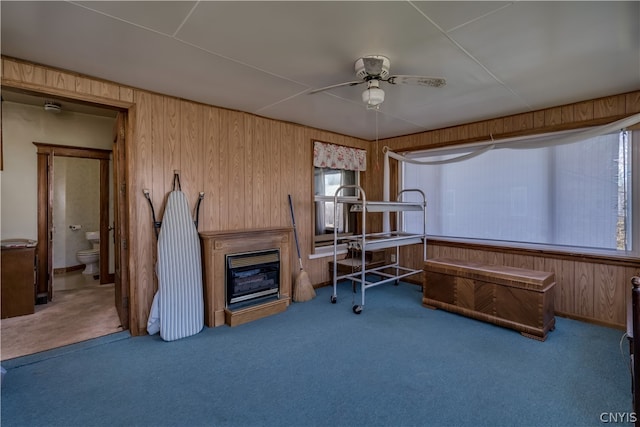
x=318, y=364
x=74, y=315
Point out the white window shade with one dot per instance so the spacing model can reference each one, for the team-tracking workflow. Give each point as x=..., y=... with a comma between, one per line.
x=567, y=195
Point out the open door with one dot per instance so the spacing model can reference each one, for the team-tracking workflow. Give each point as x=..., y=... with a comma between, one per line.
x=44, y=268
x=105, y=230
x=120, y=231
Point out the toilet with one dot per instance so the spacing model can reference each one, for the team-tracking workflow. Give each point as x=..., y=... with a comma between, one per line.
x=91, y=257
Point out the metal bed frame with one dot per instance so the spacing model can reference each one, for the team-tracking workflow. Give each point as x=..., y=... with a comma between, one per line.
x=392, y=272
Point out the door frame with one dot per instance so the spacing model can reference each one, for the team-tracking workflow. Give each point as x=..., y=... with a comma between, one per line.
x=46, y=154
x=127, y=109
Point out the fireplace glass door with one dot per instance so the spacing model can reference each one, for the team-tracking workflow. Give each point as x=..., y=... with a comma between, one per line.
x=252, y=275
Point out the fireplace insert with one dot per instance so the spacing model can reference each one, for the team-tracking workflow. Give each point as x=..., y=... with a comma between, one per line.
x=252, y=275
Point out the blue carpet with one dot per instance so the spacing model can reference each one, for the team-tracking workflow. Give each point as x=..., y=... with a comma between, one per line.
x=318, y=364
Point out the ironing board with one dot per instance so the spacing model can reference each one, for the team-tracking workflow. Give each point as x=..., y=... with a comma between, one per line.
x=178, y=306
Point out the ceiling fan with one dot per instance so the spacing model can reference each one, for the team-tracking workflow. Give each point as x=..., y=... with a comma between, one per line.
x=373, y=69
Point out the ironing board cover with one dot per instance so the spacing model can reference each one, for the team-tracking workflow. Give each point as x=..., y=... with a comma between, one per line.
x=178, y=306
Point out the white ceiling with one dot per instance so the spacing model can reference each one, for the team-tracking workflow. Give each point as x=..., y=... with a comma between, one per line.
x=264, y=57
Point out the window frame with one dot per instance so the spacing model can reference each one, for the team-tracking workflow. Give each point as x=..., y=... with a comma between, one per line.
x=327, y=250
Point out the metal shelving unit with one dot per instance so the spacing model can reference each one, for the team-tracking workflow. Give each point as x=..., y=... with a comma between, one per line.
x=363, y=242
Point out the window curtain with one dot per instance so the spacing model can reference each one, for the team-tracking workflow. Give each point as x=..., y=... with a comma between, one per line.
x=338, y=157
x=515, y=143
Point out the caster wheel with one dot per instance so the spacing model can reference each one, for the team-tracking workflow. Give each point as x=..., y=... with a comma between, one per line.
x=357, y=309
x=333, y=299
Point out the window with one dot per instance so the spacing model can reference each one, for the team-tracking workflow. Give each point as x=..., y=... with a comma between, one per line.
x=574, y=195
x=334, y=166
x=326, y=182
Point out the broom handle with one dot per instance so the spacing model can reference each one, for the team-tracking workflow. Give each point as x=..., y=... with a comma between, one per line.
x=295, y=232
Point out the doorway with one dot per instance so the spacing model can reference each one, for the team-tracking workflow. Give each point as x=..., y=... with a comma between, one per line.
x=48, y=156
x=112, y=228
x=117, y=183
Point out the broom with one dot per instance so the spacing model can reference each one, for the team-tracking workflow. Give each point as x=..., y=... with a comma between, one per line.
x=302, y=288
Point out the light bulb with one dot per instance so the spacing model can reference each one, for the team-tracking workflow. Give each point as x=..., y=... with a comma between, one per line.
x=373, y=96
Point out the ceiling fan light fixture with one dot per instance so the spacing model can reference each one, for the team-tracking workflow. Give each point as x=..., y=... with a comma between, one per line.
x=373, y=96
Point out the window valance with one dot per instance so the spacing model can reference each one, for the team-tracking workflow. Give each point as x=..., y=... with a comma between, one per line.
x=338, y=157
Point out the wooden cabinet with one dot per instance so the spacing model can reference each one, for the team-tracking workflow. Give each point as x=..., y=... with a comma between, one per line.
x=18, y=281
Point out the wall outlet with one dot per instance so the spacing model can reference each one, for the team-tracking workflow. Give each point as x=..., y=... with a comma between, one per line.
x=393, y=257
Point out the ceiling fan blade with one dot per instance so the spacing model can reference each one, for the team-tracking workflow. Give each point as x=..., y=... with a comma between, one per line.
x=417, y=80
x=337, y=85
x=372, y=66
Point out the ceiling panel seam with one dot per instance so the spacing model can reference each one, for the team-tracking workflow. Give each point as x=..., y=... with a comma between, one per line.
x=244, y=64
x=184, y=21
x=142, y=27
x=473, y=58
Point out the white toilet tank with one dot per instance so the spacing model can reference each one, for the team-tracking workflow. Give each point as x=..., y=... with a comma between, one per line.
x=94, y=238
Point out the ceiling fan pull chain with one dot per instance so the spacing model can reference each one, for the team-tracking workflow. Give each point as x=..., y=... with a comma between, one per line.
x=376, y=149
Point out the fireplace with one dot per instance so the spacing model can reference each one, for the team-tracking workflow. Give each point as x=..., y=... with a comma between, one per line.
x=218, y=247
x=252, y=276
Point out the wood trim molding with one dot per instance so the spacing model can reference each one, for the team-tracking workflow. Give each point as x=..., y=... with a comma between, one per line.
x=31, y=78
x=30, y=88
x=70, y=151
x=601, y=259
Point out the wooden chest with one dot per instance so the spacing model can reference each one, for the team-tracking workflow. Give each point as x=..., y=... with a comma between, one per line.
x=511, y=297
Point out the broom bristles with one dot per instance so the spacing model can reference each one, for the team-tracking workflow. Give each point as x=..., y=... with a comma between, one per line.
x=303, y=289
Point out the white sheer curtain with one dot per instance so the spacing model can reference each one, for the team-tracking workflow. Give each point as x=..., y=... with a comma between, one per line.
x=471, y=151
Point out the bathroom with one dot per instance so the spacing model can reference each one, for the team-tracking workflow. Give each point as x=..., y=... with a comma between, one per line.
x=76, y=212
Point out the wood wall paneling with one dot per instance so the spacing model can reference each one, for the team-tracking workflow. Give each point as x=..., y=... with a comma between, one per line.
x=157, y=185
x=236, y=208
x=632, y=103
x=191, y=151
x=221, y=152
x=210, y=213
x=222, y=189
x=142, y=243
x=584, y=283
x=564, y=298
x=608, y=294
x=170, y=144
x=277, y=200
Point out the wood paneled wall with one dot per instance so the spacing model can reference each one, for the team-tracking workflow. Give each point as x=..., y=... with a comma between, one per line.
x=588, y=288
x=245, y=164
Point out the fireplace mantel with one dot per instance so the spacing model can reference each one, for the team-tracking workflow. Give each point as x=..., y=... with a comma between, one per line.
x=216, y=245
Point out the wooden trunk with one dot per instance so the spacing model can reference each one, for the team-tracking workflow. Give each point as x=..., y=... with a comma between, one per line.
x=511, y=297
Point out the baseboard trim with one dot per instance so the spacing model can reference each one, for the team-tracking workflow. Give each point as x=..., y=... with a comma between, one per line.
x=63, y=270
